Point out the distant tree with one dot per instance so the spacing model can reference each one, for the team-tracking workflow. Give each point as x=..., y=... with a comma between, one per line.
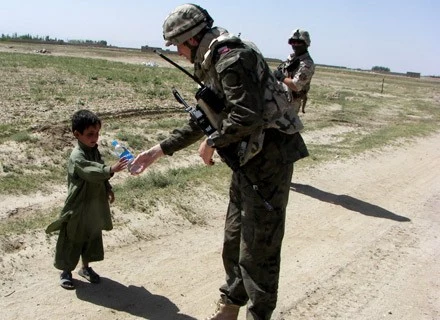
x=380, y=69
x=101, y=43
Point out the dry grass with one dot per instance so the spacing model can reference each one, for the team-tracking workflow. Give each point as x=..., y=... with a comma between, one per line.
x=347, y=114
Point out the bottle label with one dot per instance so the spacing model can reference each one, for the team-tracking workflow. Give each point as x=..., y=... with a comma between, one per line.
x=127, y=155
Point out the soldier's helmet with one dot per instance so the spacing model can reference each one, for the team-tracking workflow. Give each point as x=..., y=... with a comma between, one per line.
x=184, y=22
x=299, y=34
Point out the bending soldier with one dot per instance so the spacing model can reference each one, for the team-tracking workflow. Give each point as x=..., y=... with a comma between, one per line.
x=256, y=118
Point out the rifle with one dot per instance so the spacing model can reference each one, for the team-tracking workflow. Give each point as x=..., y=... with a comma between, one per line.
x=303, y=103
x=206, y=100
x=204, y=95
x=289, y=65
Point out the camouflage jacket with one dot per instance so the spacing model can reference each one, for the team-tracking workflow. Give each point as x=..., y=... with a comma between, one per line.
x=254, y=101
x=301, y=70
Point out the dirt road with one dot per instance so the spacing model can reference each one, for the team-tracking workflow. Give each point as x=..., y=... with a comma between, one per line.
x=362, y=242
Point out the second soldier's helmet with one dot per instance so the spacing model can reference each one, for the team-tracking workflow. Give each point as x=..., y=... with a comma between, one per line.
x=184, y=22
x=299, y=34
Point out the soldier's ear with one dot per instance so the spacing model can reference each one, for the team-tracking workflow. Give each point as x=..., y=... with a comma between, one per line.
x=193, y=41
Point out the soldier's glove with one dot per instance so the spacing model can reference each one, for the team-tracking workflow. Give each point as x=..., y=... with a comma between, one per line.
x=279, y=75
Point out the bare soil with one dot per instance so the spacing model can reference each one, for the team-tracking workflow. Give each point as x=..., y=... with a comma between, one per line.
x=361, y=242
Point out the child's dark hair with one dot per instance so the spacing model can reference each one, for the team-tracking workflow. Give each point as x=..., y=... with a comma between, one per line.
x=83, y=119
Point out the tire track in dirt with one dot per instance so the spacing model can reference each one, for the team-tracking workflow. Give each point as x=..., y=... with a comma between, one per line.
x=349, y=291
x=59, y=136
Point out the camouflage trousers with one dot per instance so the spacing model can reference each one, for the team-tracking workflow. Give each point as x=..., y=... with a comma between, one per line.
x=253, y=235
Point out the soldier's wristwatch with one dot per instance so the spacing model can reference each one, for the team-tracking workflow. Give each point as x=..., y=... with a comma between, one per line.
x=210, y=142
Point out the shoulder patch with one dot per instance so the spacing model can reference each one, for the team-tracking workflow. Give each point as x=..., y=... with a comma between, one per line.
x=223, y=50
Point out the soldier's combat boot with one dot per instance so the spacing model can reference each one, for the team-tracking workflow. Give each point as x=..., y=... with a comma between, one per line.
x=225, y=311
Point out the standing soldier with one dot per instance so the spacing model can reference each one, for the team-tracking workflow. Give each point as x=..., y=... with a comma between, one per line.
x=297, y=71
x=257, y=122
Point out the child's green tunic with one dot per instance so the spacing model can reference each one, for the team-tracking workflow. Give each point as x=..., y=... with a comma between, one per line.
x=86, y=210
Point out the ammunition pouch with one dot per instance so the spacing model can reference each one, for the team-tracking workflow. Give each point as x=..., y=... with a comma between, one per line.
x=210, y=98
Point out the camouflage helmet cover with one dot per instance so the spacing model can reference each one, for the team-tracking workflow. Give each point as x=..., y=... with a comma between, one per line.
x=184, y=22
x=299, y=34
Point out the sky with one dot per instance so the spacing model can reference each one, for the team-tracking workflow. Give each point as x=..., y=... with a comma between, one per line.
x=402, y=35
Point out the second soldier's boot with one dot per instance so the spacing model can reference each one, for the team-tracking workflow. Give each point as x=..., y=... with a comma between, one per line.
x=225, y=311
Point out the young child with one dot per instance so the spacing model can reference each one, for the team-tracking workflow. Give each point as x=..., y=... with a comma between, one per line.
x=86, y=210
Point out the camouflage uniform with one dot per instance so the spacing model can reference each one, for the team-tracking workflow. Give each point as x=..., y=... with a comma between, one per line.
x=256, y=112
x=301, y=70
x=263, y=128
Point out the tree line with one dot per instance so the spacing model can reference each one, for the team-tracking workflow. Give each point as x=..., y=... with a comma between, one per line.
x=47, y=39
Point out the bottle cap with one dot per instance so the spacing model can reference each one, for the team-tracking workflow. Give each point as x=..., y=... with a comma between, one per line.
x=114, y=143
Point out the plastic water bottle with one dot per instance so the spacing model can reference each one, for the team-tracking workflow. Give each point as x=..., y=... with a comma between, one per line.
x=122, y=152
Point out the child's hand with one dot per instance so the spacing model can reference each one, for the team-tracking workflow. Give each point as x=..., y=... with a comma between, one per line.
x=111, y=196
x=120, y=165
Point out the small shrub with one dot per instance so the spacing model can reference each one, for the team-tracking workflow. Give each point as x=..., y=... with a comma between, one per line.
x=23, y=136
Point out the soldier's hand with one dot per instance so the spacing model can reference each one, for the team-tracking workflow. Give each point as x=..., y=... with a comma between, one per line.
x=279, y=75
x=206, y=152
x=145, y=159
